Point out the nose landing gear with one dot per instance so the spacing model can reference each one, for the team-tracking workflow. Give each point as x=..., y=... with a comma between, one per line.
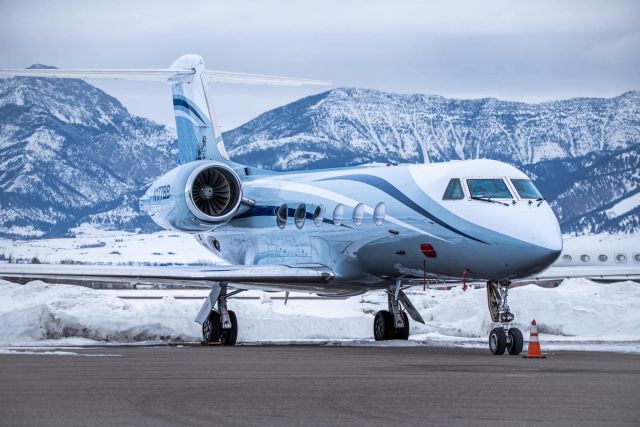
x=503, y=337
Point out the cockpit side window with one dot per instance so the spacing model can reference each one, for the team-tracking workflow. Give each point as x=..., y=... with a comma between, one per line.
x=454, y=190
x=526, y=189
x=493, y=188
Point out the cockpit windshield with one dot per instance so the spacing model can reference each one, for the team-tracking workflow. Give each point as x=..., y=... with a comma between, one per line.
x=488, y=189
x=526, y=189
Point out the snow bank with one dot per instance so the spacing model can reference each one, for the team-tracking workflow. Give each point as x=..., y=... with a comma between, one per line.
x=576, y=311
x=37, y=312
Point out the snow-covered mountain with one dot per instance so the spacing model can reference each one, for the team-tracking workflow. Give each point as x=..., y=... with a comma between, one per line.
x=583, y=152
x=70, y=153
x=351, y=126
x=594, y=193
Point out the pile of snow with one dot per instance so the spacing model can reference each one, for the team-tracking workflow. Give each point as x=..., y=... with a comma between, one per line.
x=38, y=312
x=576, y=311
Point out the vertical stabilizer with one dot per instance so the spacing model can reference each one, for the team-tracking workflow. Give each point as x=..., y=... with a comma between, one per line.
x=198, y=134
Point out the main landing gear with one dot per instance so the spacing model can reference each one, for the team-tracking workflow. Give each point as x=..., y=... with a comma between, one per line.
x=503, y=337
x=219, y=325
x=394, y=323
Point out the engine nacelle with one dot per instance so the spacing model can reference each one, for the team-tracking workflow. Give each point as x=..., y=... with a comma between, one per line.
x=194, y=197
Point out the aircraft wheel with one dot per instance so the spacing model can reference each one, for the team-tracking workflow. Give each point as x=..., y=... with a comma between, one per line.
x=497, y=341
x=403, y=333
x=383, y=326
x=516, y=341
x=230, y=336
x=211, y=328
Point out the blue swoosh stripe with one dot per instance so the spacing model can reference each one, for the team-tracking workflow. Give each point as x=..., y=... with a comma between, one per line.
x=178, y=102
x=392, y=191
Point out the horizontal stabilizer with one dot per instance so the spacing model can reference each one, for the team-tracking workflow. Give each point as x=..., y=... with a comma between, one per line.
x=208, y=76
x=211, y=76
x=150, y=75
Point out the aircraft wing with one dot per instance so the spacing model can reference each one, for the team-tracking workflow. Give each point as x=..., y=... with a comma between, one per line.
x=615, y=273
x=312, y=278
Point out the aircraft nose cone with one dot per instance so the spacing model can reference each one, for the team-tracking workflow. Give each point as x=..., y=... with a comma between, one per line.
x=522, y=260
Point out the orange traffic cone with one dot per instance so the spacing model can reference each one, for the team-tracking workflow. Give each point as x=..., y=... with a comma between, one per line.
x=533, y=349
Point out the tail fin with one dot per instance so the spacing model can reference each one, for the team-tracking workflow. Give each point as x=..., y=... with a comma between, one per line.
x=199, y=136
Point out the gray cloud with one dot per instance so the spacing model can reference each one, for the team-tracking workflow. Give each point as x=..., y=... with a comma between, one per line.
x=528, y=51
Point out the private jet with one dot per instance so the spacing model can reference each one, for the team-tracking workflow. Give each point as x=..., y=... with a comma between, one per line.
x=337, y=232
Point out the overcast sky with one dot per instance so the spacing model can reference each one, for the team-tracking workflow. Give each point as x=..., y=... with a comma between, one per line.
x=516, y=50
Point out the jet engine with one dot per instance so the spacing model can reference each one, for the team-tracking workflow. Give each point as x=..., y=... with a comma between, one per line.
x=194, y=197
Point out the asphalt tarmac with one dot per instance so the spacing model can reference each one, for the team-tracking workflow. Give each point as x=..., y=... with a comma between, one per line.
x=316, y=385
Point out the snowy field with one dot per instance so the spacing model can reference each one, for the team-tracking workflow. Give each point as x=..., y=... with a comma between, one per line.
x=93, y=245
x=579, y=314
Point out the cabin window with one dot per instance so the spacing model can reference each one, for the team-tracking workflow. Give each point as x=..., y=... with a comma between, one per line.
x=358, y=214
x=281, y=216
x=379, y=213
x=584, y=258
x=318, y=215
x=566, y=258
x=489, y=188
x=526, y=189
x=621, y=258
x=602, y=258
x=636, y=257
x=338, y=215
x=453, y=190
x=300, y=214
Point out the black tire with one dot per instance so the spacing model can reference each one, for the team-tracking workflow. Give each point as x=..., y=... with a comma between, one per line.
x=383, y=326
x=230, y=336
x=403, y=333
x=211, y=328
x=497, y=341
x=517, y=341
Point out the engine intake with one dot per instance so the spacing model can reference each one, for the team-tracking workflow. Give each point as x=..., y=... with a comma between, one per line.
x=194, y=197
x=213, y=193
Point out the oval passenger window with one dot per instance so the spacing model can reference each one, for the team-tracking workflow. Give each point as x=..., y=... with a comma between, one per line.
x=358, y=214
x=338, y=215
x=379, y=213
x=318, y=215
x=300, y=214
x=281, y=216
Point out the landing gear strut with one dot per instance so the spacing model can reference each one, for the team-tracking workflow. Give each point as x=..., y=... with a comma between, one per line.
x=219, y=325
x=502, y=337
x=394, y=323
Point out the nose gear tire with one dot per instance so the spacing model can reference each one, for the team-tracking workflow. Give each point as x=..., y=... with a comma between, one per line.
x=516, y=341
x=497, y=341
